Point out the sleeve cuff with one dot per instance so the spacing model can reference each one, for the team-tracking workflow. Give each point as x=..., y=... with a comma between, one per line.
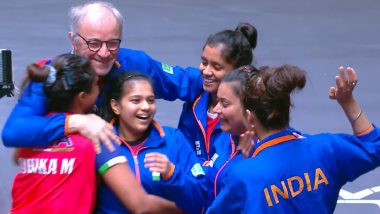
x=368, y=130
x=170, y=174
x=66, y=131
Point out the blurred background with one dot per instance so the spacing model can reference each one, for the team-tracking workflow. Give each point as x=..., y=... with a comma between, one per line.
x=317, y=36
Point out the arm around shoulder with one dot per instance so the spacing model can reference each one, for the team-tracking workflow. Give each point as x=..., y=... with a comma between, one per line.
x=170, y=82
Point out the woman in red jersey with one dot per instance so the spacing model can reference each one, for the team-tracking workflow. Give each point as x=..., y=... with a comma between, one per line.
x=60, y=178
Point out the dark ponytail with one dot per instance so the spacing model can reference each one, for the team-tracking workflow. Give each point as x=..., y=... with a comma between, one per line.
x=236, y=45
x=268, y=94
x=63, y=79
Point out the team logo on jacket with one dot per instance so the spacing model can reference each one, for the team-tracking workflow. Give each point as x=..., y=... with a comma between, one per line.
x=197, y=170
x=167, y=68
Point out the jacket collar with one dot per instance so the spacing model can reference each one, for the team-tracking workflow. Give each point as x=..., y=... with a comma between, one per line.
x=273, y=140
x=200, y=108
x=155, y=138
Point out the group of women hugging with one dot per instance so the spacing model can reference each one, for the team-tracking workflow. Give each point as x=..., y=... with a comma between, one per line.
x=233, y=151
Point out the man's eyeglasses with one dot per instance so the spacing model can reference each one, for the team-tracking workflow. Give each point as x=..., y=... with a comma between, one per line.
x=96, y=44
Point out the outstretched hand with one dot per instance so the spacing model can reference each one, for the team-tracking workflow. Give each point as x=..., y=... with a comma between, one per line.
x=345, y=84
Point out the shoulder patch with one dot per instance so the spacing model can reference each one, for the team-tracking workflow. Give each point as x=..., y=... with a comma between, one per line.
x=167, y=68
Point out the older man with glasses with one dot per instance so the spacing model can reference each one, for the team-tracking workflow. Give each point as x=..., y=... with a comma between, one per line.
x=96, y=30
x=95, y=44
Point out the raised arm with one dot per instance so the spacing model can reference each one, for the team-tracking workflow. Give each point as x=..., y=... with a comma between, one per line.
x=342, y=93
x=358, y=154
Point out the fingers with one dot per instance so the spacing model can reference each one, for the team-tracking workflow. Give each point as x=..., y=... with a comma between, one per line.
x=339, y=82
x=346, y=81
x=352, y=77
x=96, y=144
x=157, y=162
x=110, y=133
x=154, y=157
x=107, y=136
x=246, y=143
x=246, y=152
x=342, y=74
x=99, y=131
x=332, y=93
x=345, y=84
x=155, y=167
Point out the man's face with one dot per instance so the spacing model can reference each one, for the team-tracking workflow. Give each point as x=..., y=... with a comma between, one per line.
x=103, y=28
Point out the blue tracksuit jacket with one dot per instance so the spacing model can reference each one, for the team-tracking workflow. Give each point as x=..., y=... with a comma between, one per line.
x=289, y=175
x=170, y=83
x=184, y=187
x=193, y=123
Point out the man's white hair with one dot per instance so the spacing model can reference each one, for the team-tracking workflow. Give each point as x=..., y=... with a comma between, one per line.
x=77, y=13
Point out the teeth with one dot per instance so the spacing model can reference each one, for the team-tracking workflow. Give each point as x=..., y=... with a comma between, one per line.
x=142, y=116
x=208, y=80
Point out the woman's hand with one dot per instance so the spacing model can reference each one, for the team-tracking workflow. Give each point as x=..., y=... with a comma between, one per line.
x=342, y=92
x=157, y=162
x=246, y=143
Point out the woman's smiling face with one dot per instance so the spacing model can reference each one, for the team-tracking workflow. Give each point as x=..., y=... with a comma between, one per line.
x=230, y=110
x=213, y=67
x=136, y=108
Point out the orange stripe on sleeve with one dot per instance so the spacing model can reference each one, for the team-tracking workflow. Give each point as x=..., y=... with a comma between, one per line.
x=67, y=125
x=169, y=175
x=365, y=131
